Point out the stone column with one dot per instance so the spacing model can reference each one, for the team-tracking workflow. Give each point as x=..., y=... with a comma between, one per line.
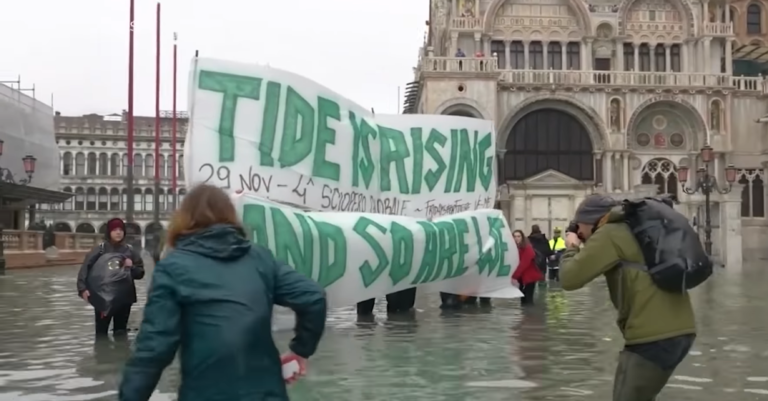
x=707, y=55
x=454, y=43
x=731, y=250
x=564, y=55
x=652, y=51
x=684, y=54
x=590, y=55
x=625, y=169
x=704, y=13
x=668, y=56
x=528, y=209
x=620, y=54
x=511, y=209
x=728, y=53
x=526, y=49
x=487, y=46
x=545, y=47
x=507, y=62
x=608, y=172
x=636, y=48
x=478, y=45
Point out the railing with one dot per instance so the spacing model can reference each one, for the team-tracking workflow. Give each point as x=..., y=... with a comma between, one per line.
x=622, y=78
x=467, y=24
x=718, y=28
x=460, y=64
x=21, y=241
x=454, y=65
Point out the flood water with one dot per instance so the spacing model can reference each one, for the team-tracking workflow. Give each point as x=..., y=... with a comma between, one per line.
x=563, y=348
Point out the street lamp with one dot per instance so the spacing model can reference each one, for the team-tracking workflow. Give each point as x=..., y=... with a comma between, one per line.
x=707, y=184
x=7, y=176
x=29, y=168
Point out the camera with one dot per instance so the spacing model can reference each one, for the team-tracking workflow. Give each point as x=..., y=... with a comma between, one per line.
x=573, y=227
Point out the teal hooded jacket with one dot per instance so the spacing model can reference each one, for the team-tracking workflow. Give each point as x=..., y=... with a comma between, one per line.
x=211, y=298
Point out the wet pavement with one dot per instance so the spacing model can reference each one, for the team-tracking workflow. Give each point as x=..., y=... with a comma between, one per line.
x=563, y=348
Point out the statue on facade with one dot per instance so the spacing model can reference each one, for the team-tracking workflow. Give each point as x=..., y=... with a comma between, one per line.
x=615, y=115
x=714, y=118
x=468, y=8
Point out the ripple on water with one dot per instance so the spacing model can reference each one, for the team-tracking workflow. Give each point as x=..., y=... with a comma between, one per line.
x=564, y=348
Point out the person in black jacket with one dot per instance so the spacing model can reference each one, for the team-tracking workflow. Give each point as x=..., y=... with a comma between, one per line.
x=540, y=244
x=114, y=243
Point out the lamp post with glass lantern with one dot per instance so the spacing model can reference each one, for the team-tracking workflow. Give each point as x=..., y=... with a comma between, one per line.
x=6, y=176
x=707, y=185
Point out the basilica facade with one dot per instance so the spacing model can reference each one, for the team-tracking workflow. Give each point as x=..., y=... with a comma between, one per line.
x=612, y=96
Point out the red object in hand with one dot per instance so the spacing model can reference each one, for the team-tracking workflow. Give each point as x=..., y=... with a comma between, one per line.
x=294, y=367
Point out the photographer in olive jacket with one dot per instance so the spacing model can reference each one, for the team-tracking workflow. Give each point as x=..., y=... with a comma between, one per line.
x=658, y=326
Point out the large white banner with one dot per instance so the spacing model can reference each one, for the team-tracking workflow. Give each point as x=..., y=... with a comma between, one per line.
x=359, y=256
x=283, y=137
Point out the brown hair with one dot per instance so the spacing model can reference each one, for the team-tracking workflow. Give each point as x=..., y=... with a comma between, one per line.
x=204, y=206
x=524, y=241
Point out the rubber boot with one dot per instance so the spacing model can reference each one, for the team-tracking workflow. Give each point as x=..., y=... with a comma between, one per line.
x=638, y=379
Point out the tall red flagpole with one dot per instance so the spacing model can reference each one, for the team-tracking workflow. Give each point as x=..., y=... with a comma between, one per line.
x=173, y=135
x=156, y=205
x=129, y=207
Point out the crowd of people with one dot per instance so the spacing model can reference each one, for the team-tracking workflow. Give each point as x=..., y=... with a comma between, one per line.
x=213, y=292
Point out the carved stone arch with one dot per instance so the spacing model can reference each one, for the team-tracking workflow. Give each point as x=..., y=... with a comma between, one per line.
x=462, y=104
x=578, y=6
x=587, y=116
x=699, y=124
x=684, y=7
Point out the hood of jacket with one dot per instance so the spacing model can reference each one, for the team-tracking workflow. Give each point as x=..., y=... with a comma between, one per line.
x=221, y=241
x=537, y=236
x=122, y=224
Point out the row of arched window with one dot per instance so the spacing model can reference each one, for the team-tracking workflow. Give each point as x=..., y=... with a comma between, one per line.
x=114, y=199
x=662, y=172
x=104, y=164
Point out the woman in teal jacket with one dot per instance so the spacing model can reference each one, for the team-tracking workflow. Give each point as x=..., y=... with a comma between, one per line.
x=212, y=297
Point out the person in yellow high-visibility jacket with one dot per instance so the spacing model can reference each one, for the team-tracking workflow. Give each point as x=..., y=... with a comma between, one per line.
x=557, y=245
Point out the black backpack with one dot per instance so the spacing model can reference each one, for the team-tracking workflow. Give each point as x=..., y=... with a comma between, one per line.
x=539, y=259
x=673, y=252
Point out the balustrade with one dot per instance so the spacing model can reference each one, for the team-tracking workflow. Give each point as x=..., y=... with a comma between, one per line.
x=460, y=64
x=467, y=24
x=28, y=241
x=718, y=28
x=595, y=78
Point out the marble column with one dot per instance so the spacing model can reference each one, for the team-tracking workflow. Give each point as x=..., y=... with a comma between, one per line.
x=526, y=53
x=590, y=55
x=564, y=55
x=727, y=13
x=668, y=57
x=652, y=51
x=528, y=210
x=507, y=62
x=545, y=47
x=708, y=55
x=728, y=54
x=608, y=172
x=454, y=43
x=625, y=169
x=731, y=243
x=636, y=48
x=684, y=55
x=487, y=46
x=619, y=54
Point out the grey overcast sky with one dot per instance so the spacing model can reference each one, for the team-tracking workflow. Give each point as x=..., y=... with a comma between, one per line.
x=78, y=49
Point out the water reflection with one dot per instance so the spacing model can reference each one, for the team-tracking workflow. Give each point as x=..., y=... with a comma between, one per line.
x=564, y=347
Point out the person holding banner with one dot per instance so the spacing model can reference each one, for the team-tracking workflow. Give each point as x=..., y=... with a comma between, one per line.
x=212, y=297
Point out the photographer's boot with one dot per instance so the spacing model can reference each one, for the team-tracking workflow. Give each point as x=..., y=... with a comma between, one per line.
x=638, y=379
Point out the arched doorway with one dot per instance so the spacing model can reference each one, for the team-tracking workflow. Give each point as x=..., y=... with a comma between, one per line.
x=549, y=155
x=85, y=228
x=153, y=232
x=62, y=227
x=133, y=235
x=548, y=139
